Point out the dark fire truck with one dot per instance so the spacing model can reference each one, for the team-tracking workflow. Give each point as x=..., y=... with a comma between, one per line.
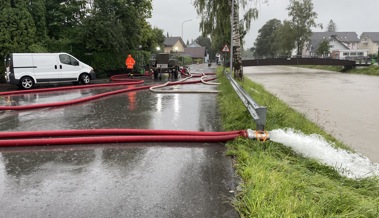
x=164, y=63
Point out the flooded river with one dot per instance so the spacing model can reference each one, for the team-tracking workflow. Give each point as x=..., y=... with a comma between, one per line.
x=345, y=105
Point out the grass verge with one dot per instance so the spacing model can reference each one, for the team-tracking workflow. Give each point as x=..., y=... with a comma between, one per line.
x=371, y=70
x=276, y=182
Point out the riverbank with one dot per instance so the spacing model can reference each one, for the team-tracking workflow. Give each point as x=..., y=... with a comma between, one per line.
x=370, y=70
x=280, y=182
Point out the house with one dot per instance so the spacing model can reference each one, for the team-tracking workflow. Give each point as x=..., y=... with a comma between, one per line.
x=337, y=41
x=370, y=41
x=196, y=53
x=176, y=45
x=173, y=44
x=350, y=54
x=194, y=45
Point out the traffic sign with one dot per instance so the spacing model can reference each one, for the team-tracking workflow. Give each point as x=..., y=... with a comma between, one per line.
x=225, y=49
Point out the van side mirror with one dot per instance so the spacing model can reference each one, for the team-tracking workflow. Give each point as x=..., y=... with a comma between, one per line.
x=76, y=63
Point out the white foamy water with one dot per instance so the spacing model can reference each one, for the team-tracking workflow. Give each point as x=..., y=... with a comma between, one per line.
x=346, y=163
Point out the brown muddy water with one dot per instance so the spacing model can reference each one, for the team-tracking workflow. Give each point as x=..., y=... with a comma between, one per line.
x=345, y=105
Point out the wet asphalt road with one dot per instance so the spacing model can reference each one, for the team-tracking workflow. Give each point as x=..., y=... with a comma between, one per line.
x=117, y=180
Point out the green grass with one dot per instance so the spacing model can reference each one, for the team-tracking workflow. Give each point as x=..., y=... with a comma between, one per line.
x=370, y=70
x=277, y=182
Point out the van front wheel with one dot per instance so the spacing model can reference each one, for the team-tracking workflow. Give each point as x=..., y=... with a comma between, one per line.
x=26, y=82
x=84, y=78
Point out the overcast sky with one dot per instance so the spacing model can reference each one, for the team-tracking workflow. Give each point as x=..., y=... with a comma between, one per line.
x=349, y=15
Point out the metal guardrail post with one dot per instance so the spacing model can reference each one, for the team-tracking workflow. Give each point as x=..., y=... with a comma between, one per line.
x=257, y=112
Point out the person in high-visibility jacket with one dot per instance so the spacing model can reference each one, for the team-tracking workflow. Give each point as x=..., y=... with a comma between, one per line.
x=130, y=63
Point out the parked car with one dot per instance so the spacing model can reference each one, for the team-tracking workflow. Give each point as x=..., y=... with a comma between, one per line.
x=27, y=69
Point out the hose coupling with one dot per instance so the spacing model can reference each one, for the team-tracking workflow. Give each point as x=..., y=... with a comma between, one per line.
x=259, y=135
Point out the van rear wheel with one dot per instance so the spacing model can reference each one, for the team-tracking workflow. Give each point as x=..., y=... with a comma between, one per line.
x=85, y=78
x=26, y=82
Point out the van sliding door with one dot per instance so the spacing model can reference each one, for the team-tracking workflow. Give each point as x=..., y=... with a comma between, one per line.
x=47, y=69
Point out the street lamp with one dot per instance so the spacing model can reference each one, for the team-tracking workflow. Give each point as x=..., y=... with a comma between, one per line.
x=158, y=49
x=182, y=26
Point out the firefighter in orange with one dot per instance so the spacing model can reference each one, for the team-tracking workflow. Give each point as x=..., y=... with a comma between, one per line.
x=129, y=62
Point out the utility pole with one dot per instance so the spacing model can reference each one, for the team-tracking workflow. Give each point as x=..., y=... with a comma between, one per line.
x=231, y=38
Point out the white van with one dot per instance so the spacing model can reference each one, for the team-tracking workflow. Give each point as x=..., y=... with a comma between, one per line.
x=27, y=69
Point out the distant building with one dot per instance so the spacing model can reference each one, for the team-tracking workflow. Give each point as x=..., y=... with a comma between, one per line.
x=194, y=50
x=174, y=44
x=350, y=54
x=193, y=45
x=337, y=41
x=370, y=41
x=198, y=53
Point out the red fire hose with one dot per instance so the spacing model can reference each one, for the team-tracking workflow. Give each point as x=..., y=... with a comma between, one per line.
x=85, y=99
x=99, y=136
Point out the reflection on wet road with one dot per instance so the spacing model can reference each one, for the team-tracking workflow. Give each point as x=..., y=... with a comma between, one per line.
x=117, y=180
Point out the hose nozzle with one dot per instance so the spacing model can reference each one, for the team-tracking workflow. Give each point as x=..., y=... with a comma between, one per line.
x=259, y=135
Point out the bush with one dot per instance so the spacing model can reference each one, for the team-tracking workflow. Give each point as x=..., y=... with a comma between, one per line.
x=106, y=64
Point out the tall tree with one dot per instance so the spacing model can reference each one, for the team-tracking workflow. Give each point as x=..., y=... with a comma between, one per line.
x=285, y=38
x=266, y=43
x=332, y=27
x=214, y=22
x=37, y=9
x=116, y=24
x=17, y=28
x=303, y=19
x=63, y=16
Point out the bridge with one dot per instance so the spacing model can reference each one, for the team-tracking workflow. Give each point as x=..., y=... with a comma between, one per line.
x=347, y=64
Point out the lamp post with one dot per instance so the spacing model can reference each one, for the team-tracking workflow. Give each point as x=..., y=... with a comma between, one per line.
x=231, y=39
x=183, y=24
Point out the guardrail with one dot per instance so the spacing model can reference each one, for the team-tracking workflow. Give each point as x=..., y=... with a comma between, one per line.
x=257, y=112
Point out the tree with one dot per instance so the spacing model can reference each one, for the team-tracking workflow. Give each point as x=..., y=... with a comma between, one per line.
x=215, y=22
x=332, y=27
x=17, y=28
x=323, y=48
x=303, y=19
x=116, y=25
x=266, y=43
x=249, y=53
x=151, y=38
x=285, y=38
x=63, y=16
x=207, y=43
x=37, y=9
